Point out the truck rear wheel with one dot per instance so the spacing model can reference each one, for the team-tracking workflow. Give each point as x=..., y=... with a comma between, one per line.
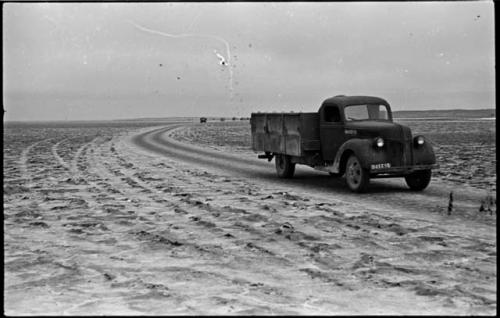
x=284, y=166
x=418, y=180
x=357, y=177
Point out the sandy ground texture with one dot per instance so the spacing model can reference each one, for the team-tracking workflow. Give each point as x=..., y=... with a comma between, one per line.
x=121, y=219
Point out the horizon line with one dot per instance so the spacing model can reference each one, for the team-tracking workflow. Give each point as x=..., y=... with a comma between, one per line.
x=219, y=116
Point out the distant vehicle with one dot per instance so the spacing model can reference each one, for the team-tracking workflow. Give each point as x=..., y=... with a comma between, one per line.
x=222, y=119
x=351, y=135
x=234, y=118
x=203, y=119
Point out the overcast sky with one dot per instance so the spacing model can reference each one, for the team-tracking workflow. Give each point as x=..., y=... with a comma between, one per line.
x=80, y=61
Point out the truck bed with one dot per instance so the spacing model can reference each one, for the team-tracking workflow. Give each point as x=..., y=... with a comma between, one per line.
x=292, y=134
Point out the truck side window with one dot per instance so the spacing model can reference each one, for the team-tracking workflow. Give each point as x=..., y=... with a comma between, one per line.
x=332, y=114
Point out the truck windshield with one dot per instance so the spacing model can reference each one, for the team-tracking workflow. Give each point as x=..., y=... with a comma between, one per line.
x=366, y=112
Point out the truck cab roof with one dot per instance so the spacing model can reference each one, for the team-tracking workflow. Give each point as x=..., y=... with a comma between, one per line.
x=332, y=109
x=342, y=100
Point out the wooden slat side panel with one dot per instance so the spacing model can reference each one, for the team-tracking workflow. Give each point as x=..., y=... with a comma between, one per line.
x=276, y=140
x=292, y=134
x=286, y=133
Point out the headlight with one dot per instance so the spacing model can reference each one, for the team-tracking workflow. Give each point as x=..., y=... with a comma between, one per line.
x=379, y=142
x=419, y=140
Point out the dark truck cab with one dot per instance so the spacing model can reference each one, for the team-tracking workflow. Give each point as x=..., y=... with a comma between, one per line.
x=351, y=135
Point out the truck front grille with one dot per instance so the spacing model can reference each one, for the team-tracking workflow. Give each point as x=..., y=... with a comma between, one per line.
x=401, y=150
x=395, y=149
x=408, y=149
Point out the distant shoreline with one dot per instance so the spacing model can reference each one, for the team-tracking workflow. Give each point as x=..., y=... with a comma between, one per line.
x=477, y=114
x=446, y=113
x=445, y=118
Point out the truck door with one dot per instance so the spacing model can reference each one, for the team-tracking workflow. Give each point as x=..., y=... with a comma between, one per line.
x=332, y=134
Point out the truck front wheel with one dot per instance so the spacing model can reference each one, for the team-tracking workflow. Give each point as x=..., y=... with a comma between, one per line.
x=357, y=178
x=284, y=166
x=418, y=180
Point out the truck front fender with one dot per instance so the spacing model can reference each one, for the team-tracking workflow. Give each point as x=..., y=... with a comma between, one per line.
x=359, y=147
x=424, y=154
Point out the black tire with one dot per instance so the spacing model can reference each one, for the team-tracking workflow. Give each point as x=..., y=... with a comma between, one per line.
x=357, y=177
x=418, y=180
x=284, y=166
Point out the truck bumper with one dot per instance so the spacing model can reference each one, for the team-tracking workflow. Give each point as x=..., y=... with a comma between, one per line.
x=394, y=171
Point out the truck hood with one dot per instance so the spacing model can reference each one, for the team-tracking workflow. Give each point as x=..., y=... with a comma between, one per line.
x=384, y=129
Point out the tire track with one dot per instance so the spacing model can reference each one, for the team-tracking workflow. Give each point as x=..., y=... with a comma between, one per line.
x=136, y=174
x=126, y=170
x=59, y=159
x=23, y=162
x=207, y=217
x=76, y=159
x=197, y=217
x=100, y=170
x=106, y=164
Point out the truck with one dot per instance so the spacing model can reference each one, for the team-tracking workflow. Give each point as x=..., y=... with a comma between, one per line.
x=350, y=136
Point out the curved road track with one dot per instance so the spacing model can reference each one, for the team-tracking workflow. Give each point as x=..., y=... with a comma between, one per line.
x=386, y=192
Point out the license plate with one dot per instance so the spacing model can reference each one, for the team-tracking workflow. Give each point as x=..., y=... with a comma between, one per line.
x=380, y=166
